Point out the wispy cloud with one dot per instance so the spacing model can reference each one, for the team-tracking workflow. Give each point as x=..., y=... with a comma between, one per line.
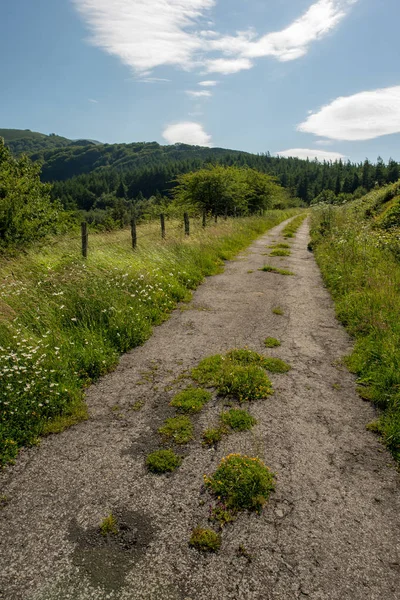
x=311, y=154
x=146, y=34
x=364, y=116
x=93, y=101
x=153, y=80
x=187, y=132
x=208, y=83
x=199, y=93
x=228, y=66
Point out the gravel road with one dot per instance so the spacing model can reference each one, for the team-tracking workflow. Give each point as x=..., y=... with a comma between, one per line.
x=331, y=531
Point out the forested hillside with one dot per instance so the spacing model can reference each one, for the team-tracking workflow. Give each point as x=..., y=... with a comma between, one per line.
x=90, y=176
x=26, y=141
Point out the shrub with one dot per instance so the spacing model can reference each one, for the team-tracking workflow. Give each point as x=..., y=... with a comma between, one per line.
x=191, y=400
x=242, y=482
x=271, y=342
x=180, y=429
x=163, y=461
x=238, y=419
x=205, y=540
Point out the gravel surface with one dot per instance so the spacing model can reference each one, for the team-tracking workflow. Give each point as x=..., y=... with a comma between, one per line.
x=329, y=532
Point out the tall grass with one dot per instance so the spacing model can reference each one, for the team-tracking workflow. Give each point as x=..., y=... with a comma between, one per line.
x=363, y=275
x=64, y=320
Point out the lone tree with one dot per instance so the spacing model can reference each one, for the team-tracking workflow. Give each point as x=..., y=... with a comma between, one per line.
x=227, y=190
x=26, y=210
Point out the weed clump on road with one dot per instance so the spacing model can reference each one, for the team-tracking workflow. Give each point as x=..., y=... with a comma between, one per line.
x=242, y=482
x=240, y=373
x=280, y=252
x=163, y=461
x=205, y=540
x=238, y=419
x=109, y=525
x=278, y=311
x=271, y=342
x=179, y=429
x=276, y=365
x=191, y=400
x=292, y=227
x=213, y=435
x=271, y=269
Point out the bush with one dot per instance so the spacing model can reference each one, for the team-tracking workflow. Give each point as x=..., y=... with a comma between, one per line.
x=163, y=461
x=26, y=211
x=242, y=482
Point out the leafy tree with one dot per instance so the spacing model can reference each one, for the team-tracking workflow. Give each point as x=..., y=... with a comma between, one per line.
x=227, y=190
x=26, y=210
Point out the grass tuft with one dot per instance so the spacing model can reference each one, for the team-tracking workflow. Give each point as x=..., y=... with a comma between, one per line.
x=205, y=540
x=179, y=429
x=109, y=526
x=276, y=365
x=163, y=461
x=238, y=419
x=280, y=252
x=278, y=311
x=191, y=400
x=212, y=436
x=271, y=269
x=242, y=482
x=271, y=342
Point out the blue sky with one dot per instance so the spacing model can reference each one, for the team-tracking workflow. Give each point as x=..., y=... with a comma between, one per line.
x=298, y=77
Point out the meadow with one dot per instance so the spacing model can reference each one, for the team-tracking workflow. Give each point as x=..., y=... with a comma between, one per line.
x=65, y=320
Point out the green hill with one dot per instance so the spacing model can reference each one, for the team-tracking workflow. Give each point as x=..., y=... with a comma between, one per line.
x=26, y=141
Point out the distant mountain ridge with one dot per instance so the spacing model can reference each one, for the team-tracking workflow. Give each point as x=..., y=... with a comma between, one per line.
x=26, y=141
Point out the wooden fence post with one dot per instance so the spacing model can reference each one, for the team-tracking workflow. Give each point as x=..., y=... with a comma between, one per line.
x=162, y=220
x=226, y=213
x=204, y=218
x=186, y=219
x=133, y=233
x=84, y=239
x=216, y=218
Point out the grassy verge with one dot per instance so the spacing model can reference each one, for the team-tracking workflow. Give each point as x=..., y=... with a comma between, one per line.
x=360, y=264
x=64, y=320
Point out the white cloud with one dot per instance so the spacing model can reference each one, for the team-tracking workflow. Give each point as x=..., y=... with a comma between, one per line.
x=324, y=142
x=199, y=93
x=93, y=101
x=146, y=34
x=311, y=154
x=208, y=83
x=228, y=66
x=364, y=116
x=187, y=132
x=153, y=80
x=293, y=42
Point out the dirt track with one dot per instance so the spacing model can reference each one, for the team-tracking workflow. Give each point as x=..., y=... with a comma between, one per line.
x=331, y=531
